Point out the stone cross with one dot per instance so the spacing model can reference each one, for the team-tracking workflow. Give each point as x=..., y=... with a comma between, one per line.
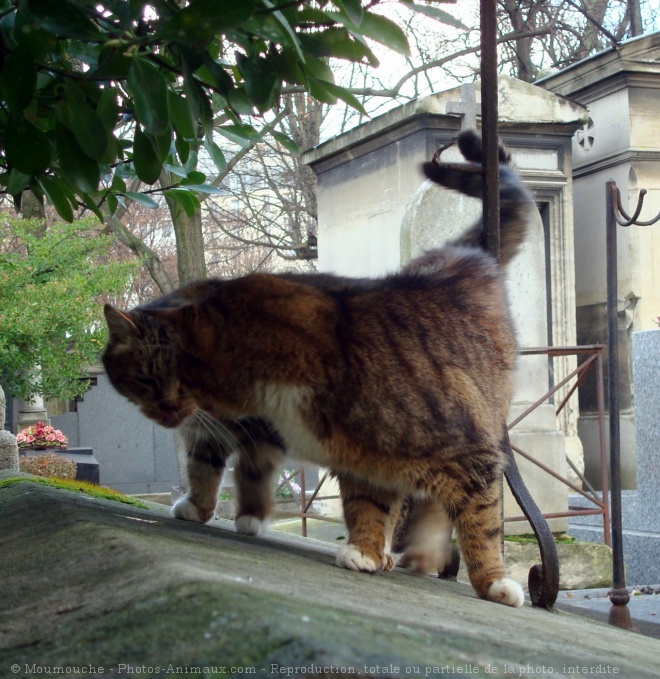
x=467, y=107
x=8, y=445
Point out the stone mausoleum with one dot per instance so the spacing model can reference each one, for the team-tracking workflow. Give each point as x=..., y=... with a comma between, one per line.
x=376, y=212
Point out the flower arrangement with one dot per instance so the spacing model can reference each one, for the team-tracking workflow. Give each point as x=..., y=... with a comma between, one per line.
x=49, y=464
x=285, y=485
x=41, y=435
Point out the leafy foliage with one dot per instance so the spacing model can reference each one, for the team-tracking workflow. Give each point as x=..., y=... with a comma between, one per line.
x=97, y=92
x=50, y=282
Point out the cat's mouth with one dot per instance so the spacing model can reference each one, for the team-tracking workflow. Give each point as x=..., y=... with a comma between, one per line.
x=168, y=417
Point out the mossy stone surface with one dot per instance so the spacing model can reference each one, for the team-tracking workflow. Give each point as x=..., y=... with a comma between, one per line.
x=89, y=582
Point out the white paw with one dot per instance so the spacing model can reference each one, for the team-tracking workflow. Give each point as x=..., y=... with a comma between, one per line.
x=351, y=557
x=507, y=592
x=186, y=510
x=248, y=525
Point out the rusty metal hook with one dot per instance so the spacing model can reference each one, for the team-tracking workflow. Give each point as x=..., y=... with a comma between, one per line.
x=627, y=220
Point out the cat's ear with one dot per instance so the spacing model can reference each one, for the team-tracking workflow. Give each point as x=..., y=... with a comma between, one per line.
x=182, y=322
x=119, y=323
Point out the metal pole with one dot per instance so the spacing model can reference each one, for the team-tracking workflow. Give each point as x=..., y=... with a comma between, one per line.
x=619, y=596
x=489, y=107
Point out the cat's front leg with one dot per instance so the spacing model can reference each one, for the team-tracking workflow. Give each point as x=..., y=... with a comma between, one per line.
x=259, y=456
x=206, y=464
x=370, y=514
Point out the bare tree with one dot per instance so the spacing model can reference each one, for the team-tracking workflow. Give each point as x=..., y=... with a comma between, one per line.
x=264, y=216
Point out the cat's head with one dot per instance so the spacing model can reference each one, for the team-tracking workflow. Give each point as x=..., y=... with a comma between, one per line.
x=142, y=361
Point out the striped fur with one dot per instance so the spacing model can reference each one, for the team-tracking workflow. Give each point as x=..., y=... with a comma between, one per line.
x=400, y=385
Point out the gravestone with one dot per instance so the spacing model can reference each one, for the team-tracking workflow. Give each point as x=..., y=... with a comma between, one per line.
x=641, y=507
x=8, y=445
x=376, y=212
x=135, y=455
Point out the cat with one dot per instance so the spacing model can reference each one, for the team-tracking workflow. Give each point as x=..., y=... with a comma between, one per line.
x=400, y=385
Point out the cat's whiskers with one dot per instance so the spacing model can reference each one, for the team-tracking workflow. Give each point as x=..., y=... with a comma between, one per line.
x=217, y=431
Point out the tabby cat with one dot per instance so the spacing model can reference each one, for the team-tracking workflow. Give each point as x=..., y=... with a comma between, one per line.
x=399, y=385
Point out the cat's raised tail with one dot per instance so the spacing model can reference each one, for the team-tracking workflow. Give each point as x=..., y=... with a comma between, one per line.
x=516, y=203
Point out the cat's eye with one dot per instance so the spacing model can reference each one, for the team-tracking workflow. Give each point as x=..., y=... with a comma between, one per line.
x=146, y=382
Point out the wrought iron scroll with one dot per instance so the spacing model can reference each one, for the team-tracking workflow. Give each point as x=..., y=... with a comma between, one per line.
x=619, y=595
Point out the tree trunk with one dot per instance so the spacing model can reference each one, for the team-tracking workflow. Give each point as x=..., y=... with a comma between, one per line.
x=635, y=14
x=189, y=235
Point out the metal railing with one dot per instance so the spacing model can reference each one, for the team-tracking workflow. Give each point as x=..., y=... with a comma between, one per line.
x=591, y=363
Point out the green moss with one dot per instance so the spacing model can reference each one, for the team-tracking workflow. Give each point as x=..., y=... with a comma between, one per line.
x=84, y=487
x=560, y=538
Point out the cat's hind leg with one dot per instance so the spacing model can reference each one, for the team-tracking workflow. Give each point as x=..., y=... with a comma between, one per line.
x=426, y=538
x=370, y=514
x=478, y=522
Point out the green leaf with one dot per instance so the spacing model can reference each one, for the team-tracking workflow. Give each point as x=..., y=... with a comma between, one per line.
x=113, y=203
x=240, y=101
x=378, y=28
x=148, y=88
x=337, y=42
x=437, y=14
x=293, y=38
x=27, y=33
x=107, y=108
x=183, y=123
x=146, y=159
x=177, y=170
x=51, y=187
x=113, y=64
x=18, y=182
x=386, y=32
x=205, y=188
x=88, y=128
x=26, y=147
x=336, y=92
x=75, y=164
x=142, y=199
x=187, y=200
x=182, y=148
x=201, y=20
x=18, y=79
x=319, y=69
x=352, y=9
x=239, y=134
x=260, y=78
x=63, y=19
x=90, y=203
x=285, y=141
x=216, y=154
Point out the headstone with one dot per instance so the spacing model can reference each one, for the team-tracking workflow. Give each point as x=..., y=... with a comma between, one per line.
x=30, y=412
x=8, y=445
x=641, y=507
x=135, y=455
x=375, y=213
x=467, y=107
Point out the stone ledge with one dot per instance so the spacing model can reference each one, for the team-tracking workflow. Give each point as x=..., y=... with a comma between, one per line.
x=95, y=582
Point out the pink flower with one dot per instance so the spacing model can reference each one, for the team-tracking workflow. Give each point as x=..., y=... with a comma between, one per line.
x=29, y=439
x=61, y=438
x=20, y=438
x=50, y=437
